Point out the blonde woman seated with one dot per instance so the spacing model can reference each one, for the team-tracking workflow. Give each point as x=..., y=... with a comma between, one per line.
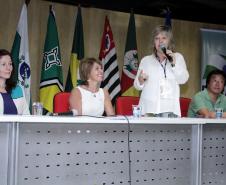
x=89, y=98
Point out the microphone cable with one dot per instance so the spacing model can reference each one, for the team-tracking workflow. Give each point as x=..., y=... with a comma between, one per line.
x=129, y=148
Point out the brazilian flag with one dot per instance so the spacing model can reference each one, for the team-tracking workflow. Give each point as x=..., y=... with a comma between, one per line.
x=77, y=54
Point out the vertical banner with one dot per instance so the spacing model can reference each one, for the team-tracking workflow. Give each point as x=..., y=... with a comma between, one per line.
x=109, y=60
x=52, y=75
x=213, y=52
x=131, y=63
x=77, y=54
x=20, y=55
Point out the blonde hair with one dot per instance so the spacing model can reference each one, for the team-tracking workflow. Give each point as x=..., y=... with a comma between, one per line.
x=168, y=32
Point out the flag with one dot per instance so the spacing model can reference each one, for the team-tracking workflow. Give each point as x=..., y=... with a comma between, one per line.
x=109, y=60
x=213, y=52
x=51, y=76
x=167, y=13
x=216, y=61
x=130, y=66
x=77, y=54
x=20, y=55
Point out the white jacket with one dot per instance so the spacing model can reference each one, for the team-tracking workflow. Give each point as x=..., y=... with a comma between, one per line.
x=150, y=99
x=17, y=95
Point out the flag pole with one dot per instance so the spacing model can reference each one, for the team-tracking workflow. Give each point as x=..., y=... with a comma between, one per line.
x=27, y=2
x=167, y=13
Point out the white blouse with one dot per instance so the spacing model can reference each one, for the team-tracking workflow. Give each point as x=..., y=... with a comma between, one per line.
x=92, y=103
x=161, y=91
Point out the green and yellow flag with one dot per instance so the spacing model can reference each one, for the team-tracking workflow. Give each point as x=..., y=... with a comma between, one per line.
x=77, y=54
x=51, y=76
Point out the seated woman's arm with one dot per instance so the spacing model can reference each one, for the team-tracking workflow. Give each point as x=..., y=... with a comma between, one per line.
x=107, y=104
x=75, y=100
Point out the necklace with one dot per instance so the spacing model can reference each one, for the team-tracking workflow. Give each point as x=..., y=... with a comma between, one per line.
x=164, y=68
x=163, y=64
x=93, y=92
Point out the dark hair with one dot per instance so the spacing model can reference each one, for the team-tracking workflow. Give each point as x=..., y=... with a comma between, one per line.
x=85, y=68
x=10, y=83
x=168, y=31
x=215, y=72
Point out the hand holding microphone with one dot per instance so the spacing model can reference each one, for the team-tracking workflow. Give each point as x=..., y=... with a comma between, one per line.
x=168, y=56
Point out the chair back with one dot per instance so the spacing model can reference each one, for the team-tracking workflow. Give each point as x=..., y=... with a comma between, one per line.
x=61, y=102
x=124, y=104
x=184, y=105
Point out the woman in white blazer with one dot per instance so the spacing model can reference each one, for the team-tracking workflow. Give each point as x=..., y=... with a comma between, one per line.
x=159, y=76
x=12, y=100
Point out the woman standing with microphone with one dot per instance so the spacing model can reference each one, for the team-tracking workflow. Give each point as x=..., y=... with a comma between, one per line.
x=159, y=76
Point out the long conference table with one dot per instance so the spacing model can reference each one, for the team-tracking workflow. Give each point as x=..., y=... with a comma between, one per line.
x=48, y=150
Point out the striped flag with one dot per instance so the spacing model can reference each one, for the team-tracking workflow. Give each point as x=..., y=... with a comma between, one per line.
x=51, y=76
x=77, y=54
x=109, y=60
x=20, y=55
x=130, y=66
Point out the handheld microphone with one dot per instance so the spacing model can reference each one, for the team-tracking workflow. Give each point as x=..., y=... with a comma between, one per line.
x=163, y=48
